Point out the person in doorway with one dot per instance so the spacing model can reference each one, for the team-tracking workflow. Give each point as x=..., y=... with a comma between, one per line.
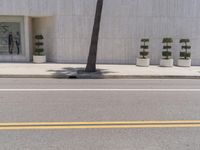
x=17, y=42
x=10, y=42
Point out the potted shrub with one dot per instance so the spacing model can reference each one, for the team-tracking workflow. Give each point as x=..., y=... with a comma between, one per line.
x=143, y=60
x=167, y=61
x=185, y=56
x=39, y=56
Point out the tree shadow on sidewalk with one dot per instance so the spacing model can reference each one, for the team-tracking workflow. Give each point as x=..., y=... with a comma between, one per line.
x=75, y=73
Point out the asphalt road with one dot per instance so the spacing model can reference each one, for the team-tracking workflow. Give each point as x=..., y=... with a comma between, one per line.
x=58, y=100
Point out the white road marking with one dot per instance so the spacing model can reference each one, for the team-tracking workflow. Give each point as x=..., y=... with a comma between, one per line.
x=99, y=90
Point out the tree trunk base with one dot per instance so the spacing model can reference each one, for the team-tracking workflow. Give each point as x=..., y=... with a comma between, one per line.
x=90, y=69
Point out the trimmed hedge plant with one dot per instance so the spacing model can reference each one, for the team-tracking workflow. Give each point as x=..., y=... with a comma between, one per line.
x=186, y=47
x=167, y=53
x=39, y=44
x=144, y=47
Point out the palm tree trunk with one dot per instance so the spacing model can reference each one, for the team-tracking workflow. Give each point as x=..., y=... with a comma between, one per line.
x=91, y=63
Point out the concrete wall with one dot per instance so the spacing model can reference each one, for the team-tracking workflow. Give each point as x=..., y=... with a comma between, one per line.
x=124, y=23
x=74, y=29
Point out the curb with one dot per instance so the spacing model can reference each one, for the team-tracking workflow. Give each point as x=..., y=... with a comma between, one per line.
x=101, y=76
x=136, y=77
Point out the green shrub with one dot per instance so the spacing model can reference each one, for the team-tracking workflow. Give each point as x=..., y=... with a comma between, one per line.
x=186, y=47
x=39, y=44
x=144, y=54
x=185, y=55
x=39, y=37
x=144, y=47
x=39, y=50
x=167, y=40
x=166, y=53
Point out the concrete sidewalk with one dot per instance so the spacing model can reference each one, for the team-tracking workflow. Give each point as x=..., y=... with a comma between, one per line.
x=52, y=70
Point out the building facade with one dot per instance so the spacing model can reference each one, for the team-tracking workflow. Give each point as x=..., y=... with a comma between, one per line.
x=67, y=29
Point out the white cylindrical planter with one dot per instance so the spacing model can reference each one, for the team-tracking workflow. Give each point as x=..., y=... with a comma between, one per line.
x=143, y=62
x=184, y=62
x=166, y=62
x=39, y=59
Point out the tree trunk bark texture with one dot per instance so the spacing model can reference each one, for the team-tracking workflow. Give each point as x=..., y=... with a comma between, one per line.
x=92, y=57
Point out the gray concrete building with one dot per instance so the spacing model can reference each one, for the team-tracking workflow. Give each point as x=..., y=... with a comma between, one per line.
x=67, y=28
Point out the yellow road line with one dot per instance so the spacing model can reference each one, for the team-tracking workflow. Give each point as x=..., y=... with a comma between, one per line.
x=103, y=122
x=99, y=125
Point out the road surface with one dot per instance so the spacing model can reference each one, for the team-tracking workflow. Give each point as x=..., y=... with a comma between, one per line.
x=99, y=114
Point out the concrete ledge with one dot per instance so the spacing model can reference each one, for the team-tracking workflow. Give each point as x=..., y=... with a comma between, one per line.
x=101, y=76
x=136, y=77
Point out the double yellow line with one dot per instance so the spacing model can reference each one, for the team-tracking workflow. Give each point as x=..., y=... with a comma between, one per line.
x=99, y=125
